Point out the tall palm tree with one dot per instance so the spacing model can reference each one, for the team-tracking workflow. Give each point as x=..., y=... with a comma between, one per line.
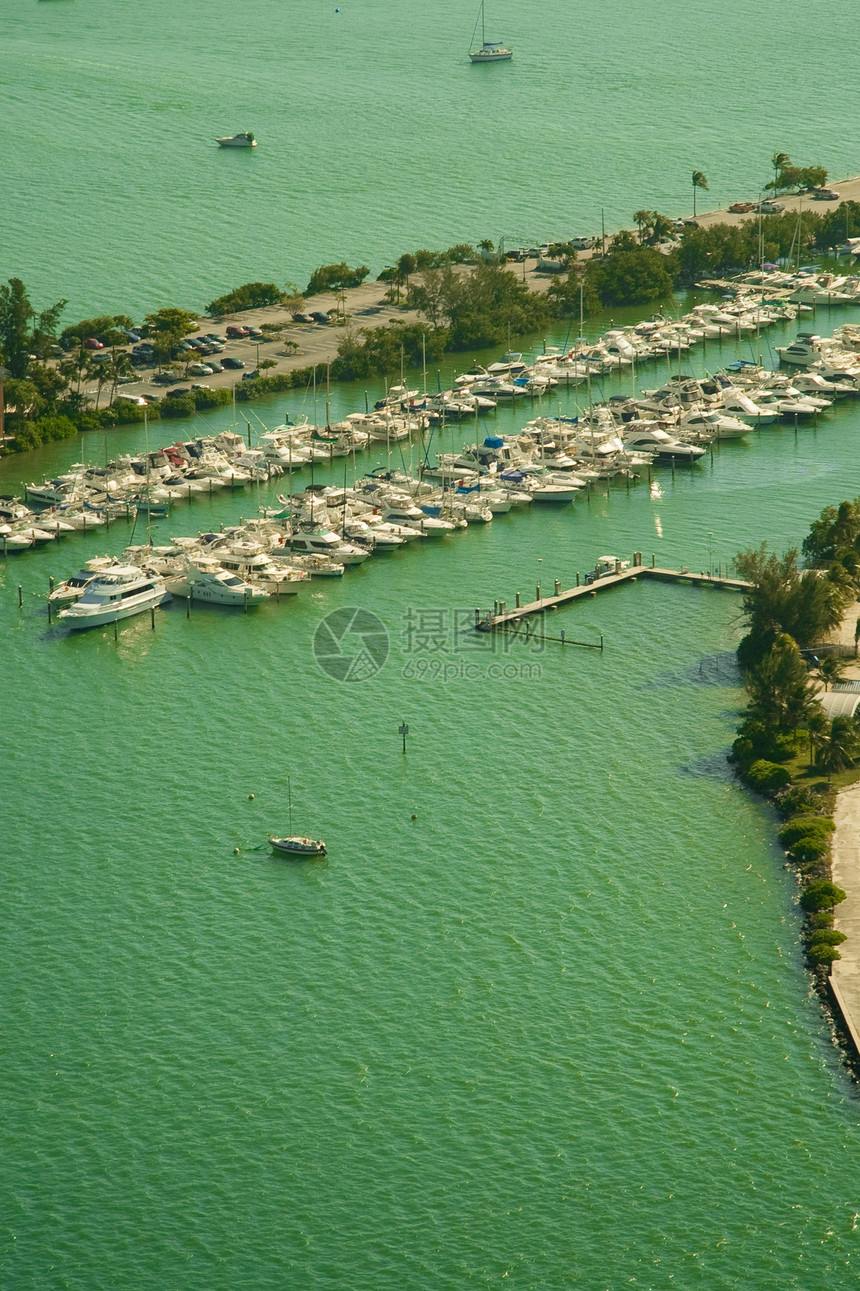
x=699, y=181
x=778, y=161
x=839, y=747
x=642, y=220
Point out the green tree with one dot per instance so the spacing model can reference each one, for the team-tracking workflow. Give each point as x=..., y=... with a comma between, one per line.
x=840, y=746
x=778, y=161
x=22, y=330
x=329, y=277
x=636, y=276
x=167, y=328
x=783, y=598
x=830, y=669
x=699, y=181
x=781, y=696
x=642, y=219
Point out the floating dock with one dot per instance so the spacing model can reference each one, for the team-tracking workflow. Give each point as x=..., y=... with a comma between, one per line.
x=501, y=617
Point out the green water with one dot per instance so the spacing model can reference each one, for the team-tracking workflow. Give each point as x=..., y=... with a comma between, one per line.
x=556, y=1030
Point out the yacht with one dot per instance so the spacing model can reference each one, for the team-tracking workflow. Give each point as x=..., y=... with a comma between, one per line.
x=205, y=579
x=117, y=592
x=244, y=139
x=325, y=542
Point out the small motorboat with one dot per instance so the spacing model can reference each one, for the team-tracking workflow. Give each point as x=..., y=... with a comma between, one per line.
x=244, y=139
x=298, y=846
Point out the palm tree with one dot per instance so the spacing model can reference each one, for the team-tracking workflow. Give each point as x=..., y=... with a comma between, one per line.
x=119, y=365
x=779, y=160
x=830, y=670
x=699, y=181
x=839, y=747
x=642, y=219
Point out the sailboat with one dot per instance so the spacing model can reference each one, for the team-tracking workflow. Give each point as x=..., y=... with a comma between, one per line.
x=296, y=845
x=491, y=51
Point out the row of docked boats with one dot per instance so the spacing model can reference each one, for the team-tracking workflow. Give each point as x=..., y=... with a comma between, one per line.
x=327, y=528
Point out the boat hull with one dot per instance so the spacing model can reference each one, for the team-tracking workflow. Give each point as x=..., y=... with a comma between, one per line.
x=298, y=846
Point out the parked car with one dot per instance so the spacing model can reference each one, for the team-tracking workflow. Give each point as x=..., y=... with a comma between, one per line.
x=250, y=376
x=132, y=336
x=741, y=208
x=771, y=208
x=91, y=343
x=199, y=370
x=213, y=336
x=825, y=195
x=164, y=378
x=303, y=318
x=582, y=244
x=177, y=390
x=255, y=331
x=230, y=362
x=214, y=347
x=214, y=366
x=235, y=330
x=319, y=317
x=131, y=398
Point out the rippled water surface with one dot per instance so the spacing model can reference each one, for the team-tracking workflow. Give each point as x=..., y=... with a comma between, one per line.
x=555, y=1029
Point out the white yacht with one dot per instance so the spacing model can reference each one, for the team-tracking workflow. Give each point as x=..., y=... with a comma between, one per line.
x=118, y=592
x=205, y=579
x=325, y=542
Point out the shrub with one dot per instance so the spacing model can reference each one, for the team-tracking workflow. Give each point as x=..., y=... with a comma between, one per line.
x=809, y=849
x=767, y=777
x=796, y=801
x=821, y=952
x=821, y=894
x=827, y=937
x=212, y=398
x=252, y=295
x=822, y=920
x=805, y=827
x=179, y=405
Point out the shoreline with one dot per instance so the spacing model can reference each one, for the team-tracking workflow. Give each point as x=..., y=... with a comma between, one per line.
x=366, y=306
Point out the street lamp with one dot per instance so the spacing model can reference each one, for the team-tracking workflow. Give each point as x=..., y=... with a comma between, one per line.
x=4, y=372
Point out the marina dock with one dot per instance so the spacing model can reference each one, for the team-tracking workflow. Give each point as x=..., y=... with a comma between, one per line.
x=625, y=572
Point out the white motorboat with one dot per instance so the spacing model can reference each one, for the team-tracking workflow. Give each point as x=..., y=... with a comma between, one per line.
x=325, y=542
x=205, y=579
x=72, y=589
x=244, y=139
x=709, y=424
x=118, y=592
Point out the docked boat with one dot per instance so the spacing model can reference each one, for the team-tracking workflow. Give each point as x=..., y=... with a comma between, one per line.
x=244, y=139
x=204, y=579
x=491, y=51
x=118, y=592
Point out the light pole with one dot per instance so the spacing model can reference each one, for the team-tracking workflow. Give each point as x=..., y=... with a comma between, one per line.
x=4, y=372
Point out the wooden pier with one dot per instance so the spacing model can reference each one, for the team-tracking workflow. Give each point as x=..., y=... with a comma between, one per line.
x=501, y=617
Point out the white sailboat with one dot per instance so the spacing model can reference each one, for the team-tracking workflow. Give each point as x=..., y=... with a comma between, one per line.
x=296, y=845
x=491, y=51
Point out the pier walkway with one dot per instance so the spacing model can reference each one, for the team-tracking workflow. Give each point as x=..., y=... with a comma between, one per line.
x=845, y=868
x=501, y=617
